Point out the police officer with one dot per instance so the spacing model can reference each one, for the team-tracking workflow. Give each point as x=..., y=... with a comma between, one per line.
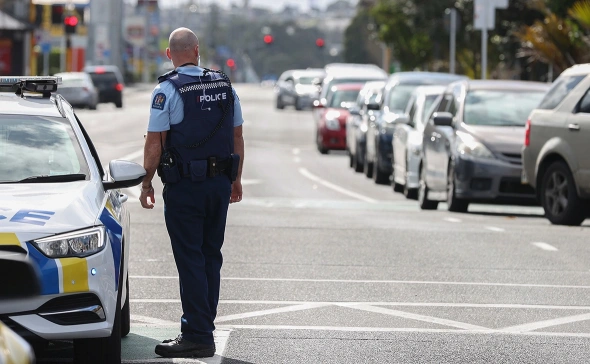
x=195, y=143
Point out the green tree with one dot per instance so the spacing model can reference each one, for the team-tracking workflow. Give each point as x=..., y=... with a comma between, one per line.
x=359, y=45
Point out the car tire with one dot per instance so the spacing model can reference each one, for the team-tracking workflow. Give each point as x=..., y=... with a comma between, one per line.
x=558, y=186
x=359, y=165
x=119, y=104
x=92, y=107
x=410, y=193
x=126, y=313
x=454, y=204
x=350, y=159
x=280, y=104
x=368, y=168
x=423, y=201
x=298, y=105
x=101, y=350
x=379, y=177
x=321, y=148
x=398, y=187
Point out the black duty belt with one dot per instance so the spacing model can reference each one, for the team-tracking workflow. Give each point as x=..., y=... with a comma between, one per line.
x=215, y=167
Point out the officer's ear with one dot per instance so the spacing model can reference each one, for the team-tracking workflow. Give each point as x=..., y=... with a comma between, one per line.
x=168, y=54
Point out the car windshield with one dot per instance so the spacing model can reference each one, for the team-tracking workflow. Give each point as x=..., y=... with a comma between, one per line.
x=399, y=97
x=500, y=107
x=73, y=82
x=342, y=98
x=306, y=80
x=33, y=146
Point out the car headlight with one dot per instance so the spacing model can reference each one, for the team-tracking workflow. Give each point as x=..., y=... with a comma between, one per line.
x=81, y=243
x=333, y=124
x=468, y=146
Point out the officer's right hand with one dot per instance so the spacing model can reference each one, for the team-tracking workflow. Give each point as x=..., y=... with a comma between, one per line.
x=146, y=196
x=236, y=192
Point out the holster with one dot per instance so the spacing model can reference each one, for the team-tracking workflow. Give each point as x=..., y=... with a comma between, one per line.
x=168, y=168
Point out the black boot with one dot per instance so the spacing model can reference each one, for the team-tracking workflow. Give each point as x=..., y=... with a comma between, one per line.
x=182, y=348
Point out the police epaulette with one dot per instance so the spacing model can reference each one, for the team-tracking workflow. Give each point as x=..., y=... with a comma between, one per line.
x=166, y=76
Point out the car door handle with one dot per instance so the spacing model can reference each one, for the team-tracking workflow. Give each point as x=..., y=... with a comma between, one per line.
x=123, y=198
x=574, y=127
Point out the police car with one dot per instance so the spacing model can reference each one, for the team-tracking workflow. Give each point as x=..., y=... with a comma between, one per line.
x=60, y=208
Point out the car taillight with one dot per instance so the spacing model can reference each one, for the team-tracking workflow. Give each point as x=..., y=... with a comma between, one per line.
x=527, y=133
x=119, y=87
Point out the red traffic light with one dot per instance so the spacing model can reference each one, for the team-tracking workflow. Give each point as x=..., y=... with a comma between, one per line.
x=320, y=42
x=71, y=21
x=268, y=39
x=231, y=63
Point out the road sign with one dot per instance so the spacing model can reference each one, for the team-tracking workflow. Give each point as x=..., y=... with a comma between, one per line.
x=46, y=47
x=135, y=30
x=485, y=13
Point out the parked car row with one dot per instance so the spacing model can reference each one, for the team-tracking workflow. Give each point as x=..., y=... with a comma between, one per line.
x=444, y=138
x=96, y=84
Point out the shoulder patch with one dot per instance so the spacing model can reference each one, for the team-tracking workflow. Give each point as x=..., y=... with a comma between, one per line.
x=159, y=101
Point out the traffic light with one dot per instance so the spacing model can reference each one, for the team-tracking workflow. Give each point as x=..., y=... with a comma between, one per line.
x=57, y=14
x=231, y=63
x=320, y=42
x=70, y=23
x=268, y=39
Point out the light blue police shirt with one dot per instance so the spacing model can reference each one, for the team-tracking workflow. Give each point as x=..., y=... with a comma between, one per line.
x=168, y=110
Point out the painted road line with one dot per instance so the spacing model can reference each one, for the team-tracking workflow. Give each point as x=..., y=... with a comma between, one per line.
x=334, y=187
x=417, y=317
x=400, y=304
x=444, y=283
x=547, y=323
x=496, y=229
x=452, y=219
x=296, y=151
x=152, y=320
x=249, y=182
x=545, y=246
x=305, y=306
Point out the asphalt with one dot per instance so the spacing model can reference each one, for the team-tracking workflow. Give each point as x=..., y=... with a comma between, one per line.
x=323, y=266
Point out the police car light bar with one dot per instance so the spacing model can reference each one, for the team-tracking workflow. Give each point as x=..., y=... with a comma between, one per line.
x=41, y=84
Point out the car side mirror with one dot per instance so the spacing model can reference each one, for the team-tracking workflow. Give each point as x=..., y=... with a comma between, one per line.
x=19, y=278
x=124, y=174
x=442, y=119
x=373, y=106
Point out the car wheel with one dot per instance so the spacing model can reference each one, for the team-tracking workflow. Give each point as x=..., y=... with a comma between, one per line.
x=126, y=313
x=92, y=107
x=351, y=159
x=410, y=193
x=298, y=105
x=359, y=164
x=425, y=203
x=379, y=177
x=367, y=168
x=559, y=196
x=397, y=187
x=320, y=145
x=280, y=104
x=101, y=350
x=454, y=204
x=119, y=104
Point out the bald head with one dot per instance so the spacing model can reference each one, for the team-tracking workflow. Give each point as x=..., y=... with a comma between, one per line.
x=183, y=40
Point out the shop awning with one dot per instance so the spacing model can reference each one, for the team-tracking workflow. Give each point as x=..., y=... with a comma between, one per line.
x=9, y=23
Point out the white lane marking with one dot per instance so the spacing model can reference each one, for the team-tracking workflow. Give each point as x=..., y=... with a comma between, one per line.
x=547, y=323
x=296, y=151
x=297, y=160
x=452, y=219
x=249, y=182
x=400, y=304
x=334, y=187
x=545, y=246
x=496, y=229
x=417, y=317
x=382, y=282
x=305, y=306
x=403, y=329
x=152, y=320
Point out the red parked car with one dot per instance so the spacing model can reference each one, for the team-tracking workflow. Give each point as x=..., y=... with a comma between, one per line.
x=331, y=127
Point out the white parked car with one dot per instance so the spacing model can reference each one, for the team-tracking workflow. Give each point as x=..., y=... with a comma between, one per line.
x=60, y=208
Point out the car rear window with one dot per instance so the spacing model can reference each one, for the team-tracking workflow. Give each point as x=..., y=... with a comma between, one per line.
x=107, y=78
x=342, y=98
x=559, y=90
x=38, y=146
x=500, y=107
x=399, y=97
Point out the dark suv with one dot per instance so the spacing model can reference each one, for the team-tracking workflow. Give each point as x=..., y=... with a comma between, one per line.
x=109, y=82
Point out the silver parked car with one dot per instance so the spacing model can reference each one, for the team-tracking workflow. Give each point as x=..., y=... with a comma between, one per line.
x=78, y=89
x=556, y=152
x=296, y=88
x=407, y=140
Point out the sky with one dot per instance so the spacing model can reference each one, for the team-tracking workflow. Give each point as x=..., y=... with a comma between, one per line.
x=272, y=4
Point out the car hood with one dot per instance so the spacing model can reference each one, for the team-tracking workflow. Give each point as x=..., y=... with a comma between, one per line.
x=35, y=210
x=500, y=139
